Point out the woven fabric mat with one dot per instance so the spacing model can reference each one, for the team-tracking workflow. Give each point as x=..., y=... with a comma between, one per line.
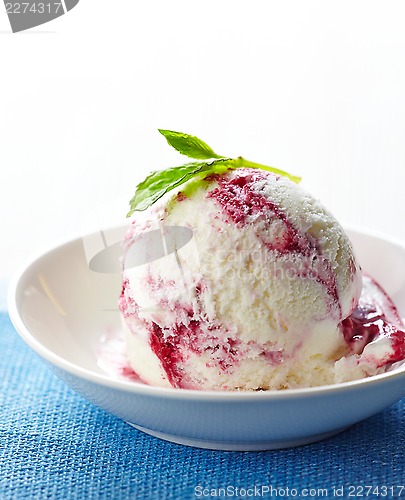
x=53, y=444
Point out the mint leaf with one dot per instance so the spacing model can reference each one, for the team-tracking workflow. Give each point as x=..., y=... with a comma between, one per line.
x=157, y=184
x=189, y=145
x=241, y=162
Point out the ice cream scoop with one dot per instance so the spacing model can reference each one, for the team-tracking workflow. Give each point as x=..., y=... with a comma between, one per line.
x=253, y=301
x=250, y=284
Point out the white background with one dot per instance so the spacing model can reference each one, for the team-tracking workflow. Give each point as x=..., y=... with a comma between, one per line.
x=313, y=87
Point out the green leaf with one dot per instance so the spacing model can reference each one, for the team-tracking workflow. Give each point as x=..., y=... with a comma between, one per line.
x=189, y=145
x=157, y=184
x=241, y=162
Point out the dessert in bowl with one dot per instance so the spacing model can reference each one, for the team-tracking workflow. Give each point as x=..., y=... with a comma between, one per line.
x=199, y=370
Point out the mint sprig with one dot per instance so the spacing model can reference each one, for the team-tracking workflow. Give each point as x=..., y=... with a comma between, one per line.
x=158, y=183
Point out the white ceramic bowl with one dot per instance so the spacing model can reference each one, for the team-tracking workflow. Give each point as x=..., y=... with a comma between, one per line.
x=61, y=308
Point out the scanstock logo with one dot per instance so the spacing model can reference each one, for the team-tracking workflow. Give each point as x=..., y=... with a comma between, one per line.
x=26, y=15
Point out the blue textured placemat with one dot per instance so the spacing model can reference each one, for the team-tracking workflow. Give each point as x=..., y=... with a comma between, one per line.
x=53, y=444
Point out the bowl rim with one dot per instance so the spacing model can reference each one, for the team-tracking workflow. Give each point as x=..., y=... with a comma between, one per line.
x=130, y=386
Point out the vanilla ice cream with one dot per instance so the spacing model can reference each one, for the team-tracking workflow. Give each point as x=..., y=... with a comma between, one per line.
x=243, y=281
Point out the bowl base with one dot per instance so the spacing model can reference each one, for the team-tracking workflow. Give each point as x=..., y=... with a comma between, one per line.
x=239, y=446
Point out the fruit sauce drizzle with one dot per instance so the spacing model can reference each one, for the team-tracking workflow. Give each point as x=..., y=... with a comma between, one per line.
x=374, y=319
